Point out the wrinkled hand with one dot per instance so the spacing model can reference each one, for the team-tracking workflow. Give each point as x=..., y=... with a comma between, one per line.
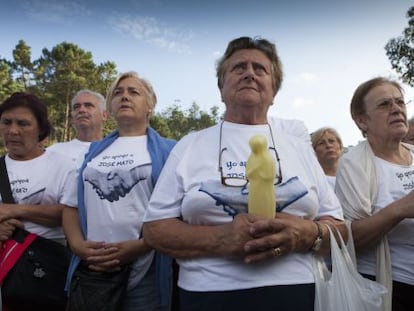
x=236, y=234
x=126, y=252
x=7, y=227
x=7, y=211
x=275, y=237
x=99, y=255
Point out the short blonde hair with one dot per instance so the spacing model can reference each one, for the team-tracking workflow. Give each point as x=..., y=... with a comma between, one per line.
x=317, y=135
x=149, y=91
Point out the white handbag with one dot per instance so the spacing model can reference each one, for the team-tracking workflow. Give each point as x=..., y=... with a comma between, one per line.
x=344, y=289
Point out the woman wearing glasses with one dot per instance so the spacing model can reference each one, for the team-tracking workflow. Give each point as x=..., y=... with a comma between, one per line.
x=231, y=260
x=374, y=183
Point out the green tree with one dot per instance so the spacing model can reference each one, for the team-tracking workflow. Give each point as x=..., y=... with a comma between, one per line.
x=55, y=77
x=22, y=64
x=160, y=124
x=7, y=87
x=7, y=84
x=400, y=51
x=175, y=123
x=105, y=75
x=63, y=71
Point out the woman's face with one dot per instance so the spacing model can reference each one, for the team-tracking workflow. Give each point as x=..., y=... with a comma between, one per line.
x=328, y=149
x=20, y=132
x=129, y=102
x=248, y=81
x=385, y=116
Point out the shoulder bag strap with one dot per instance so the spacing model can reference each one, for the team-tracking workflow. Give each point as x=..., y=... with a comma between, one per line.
x=5, y=190
x=19, y=235
x=13, y=248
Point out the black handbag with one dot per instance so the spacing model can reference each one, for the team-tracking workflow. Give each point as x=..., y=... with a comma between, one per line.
x=36, y=280
x=92, y=290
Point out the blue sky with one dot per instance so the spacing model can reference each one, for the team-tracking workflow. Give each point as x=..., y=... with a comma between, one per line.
x=327, y=47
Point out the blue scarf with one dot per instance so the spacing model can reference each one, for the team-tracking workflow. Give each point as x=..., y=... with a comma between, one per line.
x=159, y=148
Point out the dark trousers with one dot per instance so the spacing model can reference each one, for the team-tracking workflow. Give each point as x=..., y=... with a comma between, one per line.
x=402, y=295
x=283, y=297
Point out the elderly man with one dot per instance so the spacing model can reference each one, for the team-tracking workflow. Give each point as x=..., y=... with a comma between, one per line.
x=88, y=117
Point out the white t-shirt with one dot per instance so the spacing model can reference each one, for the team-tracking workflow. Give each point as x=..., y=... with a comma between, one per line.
x=331, y=181
x=292, y=127
x=75, y=149
x=195, y=160
x=114, y=212
x=46, y=179
x=117, y=188
x=395, y=182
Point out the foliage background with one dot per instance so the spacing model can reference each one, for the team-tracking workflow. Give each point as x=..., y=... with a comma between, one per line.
x=65, y=69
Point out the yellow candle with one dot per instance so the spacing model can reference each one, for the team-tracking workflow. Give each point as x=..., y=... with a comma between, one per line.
x=260, y=171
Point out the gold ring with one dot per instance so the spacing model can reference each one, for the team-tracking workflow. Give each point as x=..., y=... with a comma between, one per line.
x=276, y=251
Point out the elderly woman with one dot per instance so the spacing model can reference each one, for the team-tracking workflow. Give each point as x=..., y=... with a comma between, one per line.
x=374, y=184
x=39, y=181
x=229, y=259
x=328, y=148
x=115, y=183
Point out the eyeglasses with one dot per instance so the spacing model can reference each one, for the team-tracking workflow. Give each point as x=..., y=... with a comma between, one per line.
x=240, y=181
x=386, y=104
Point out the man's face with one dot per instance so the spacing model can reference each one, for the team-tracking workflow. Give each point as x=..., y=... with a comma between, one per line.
x=86, y=112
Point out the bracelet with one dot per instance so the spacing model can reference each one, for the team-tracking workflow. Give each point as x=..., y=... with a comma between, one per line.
x=317, y=244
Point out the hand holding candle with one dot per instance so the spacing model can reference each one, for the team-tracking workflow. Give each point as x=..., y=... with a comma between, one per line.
x=260, y=171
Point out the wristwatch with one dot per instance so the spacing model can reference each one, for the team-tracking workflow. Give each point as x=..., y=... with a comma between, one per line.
x=317, y=244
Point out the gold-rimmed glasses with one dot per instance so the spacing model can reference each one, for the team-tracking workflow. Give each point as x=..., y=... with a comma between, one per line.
x=385, y=104
x=240, y=181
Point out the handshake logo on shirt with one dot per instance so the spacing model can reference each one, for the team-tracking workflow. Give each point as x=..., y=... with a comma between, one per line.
x=116, y=184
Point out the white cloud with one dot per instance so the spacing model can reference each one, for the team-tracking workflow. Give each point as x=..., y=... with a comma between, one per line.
x=53, y=11
x=301, y=102
x=217, y=54
x=306, y=77
x=152, y=31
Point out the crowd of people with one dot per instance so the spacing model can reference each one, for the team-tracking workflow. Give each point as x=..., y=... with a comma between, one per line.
x=169, y=220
